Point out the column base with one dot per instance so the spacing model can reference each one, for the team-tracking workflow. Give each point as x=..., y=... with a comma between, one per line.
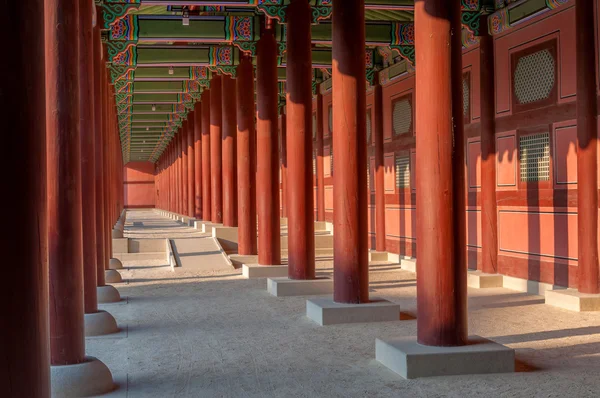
x=378, y=256
x=116, y=233
x=252, y=271
x=99, y=324
x=409, y=264
x=115, y=263
x=91, y=377
x=573, y=300
x=325, y=311
x=480, y=280
x=412, y=360
x=112, y=276
x=107, y=294
x=286, y=287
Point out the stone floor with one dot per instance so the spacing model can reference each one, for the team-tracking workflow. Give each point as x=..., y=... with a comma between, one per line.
x=192, y=333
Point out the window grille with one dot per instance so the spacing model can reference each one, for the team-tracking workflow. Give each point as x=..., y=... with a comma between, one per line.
x=330, y=116
x=402, y=116
x=534, y=77
x=331, y=159
x=534, y=157
x=315, y=161
x=402, y=171
x=369, y=127
x=466, y=94
x=314, y=125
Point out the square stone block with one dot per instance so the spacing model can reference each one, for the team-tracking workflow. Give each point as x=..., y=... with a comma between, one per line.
x=409, y=264
x=479, y=280
x=282, y=287
x=378, y=256
x=325, y=311
x=572, y=300
x=412, y=360
x=252, y=271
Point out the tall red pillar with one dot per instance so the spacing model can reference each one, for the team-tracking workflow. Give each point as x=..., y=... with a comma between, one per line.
x=350, y=240
x=380, y=244
x=180, y=178
x=198, y=161
x=206, y=171
x=489, y=212
x=184, y=167
x=283, y=167
x=267, y=179
x=320, y=159
x=216, y=119
x=191, y=174
x=587, y=148
x=25, y=359
x=99, y=70
x=246, y=157
x=299, y=198
x=229, y=151
x=67, y=343
x=440, y=181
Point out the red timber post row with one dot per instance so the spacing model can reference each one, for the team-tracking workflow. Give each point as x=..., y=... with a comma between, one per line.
x=283, y=167
x=299, y=198
x=587, y=149
x=25, y=359
x=65, y=257
x=246, y=157
x=489, y=214
x=184, y=167
x=216, y=119
x=191, y=169
x=320, y=159
x=229, y=149
x=350, y=240
x=440, y=181
x=267, y=181
x=180, y=174
x=206, y=174
x=198, y=161
x=380, y=236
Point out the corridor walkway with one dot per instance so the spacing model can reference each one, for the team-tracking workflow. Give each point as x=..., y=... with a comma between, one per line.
x=193, y=333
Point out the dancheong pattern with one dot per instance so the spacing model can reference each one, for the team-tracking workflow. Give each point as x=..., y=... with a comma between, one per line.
x=239, y=28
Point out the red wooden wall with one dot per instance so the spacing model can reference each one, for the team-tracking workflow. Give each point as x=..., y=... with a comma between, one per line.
x=139, y=188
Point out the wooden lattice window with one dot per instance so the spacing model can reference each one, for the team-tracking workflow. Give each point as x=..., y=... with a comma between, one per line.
x=534, y=72
x=314, y=125
x=331, y=159
x=330, y=118
x=466, y=86
x=315, y=161
x=402, y=171
x=534, y=157
x=402, y=112
x=368, y=174
x=369, y=127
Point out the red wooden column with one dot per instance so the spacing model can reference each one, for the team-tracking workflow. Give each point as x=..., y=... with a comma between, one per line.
x=587, y=149
x=380, y=244
x=246, y=157
x=299, y=198
x=64, y=183
x=229, y=151
x=88, y=159
x=99, y=70
x=320, y=159
x=283, y=167
x=25, y=359
x=191, y=155
x=206, y=152
x=180, y=178
x=267, y=178
x=184, y=167
x=216, y=119
x=440, y=181
x=350, y=241
x=489, y=214
x=198, y=161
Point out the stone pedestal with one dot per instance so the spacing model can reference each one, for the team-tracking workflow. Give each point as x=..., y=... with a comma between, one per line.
x=573, y=300
x=107, y=294
x=325, y=311
x=409, y=264
x=251, y=271
x=378, y=256
x=99, y=324
x=117, y=233
x=480, y=280
x=89, y=378
x=115, y=264
x=285, y=287
x=112, y=276
x=412, y=360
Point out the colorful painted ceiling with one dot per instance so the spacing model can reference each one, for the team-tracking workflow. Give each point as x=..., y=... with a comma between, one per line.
x=162, y=53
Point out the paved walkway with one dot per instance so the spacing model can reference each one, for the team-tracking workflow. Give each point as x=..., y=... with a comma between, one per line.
x=209, y=333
